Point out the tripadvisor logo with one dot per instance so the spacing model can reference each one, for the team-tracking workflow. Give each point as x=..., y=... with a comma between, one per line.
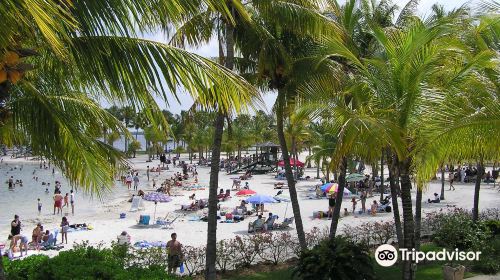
x=387, y=255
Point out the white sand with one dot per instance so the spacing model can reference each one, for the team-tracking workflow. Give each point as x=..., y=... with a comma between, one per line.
x=104, y=216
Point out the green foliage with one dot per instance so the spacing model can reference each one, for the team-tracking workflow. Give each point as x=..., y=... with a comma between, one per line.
x=25, y=269
x=489, y=260
x=133, y=147
x=493, y=226
x=336, y=259
x=86, y=262
x=458, y=230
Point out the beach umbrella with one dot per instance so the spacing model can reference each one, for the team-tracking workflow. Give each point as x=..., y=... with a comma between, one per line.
x=293, y=162
x=334, y=190
x=326, y=187
x=260, y=199
x=355, y=177
x=157, y=197
x=245, y=192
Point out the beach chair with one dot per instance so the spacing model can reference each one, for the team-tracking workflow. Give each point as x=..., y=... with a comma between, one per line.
x=256, y=225
x=270, y=223
x=286, y=223
x=137, y=204
x=169, y=224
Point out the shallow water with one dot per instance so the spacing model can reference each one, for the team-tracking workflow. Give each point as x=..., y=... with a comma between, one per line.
x=23, y=200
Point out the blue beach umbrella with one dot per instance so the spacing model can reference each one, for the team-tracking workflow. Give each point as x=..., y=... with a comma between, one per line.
x=260, y=199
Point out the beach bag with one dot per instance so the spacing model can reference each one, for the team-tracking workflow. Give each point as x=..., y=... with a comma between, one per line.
x=181, y=268
x=229, y=216
x=388, y=209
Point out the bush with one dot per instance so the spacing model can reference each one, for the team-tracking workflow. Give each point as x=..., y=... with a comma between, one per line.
x=456, y=229
x=87, y=262
x=24, y=269
x=493, y=226
x=489, y=260
x=336, y=259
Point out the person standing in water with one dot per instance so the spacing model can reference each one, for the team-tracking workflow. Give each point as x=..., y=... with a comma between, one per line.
x=39, y=206
x=72, y=201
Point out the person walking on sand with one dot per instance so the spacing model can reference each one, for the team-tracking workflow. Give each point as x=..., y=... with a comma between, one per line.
x=72, y=201
x=331, y=205
x=136, y=181
x=147, y=172
x=128, y=180
x=66, y=200
x=58, y=198
x=64, y=229
x=354, y=202
x=451, y=183
x=362, y=197
x=175, y=255
x=39, y=206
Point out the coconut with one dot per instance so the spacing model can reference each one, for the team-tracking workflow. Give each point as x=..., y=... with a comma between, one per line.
x=3, y=76
x=15, y=76
x=11, y=58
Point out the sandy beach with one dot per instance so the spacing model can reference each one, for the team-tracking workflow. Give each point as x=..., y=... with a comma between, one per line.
x=104, y=213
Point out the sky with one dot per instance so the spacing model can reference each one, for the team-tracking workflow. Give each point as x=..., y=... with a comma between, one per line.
x=210, y=50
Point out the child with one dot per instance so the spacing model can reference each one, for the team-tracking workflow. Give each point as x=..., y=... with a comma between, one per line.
x=64, y=229
x=66, y=200
x=354, y=202
x=39, y=207
x=346, y=213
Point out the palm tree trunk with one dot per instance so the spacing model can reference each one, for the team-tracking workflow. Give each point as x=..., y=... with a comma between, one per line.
x=211, y=251
x=317, y=169
x=210, y=269
x=338, y=200
x=394, y=198
x=441, y=197
x=309, y=154
x=418, y=217
x=408, y=222
x=288, y=170
x=480, y=173
x=382, y=176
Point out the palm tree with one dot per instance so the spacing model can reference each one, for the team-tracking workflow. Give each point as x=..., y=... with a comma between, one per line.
x=84, y=52
x=296, y=131
x=398, y=80
x=196, y=30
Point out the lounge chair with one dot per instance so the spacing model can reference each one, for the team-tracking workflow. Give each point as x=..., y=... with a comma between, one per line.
x=169, y=224
x=286, y=223
x=256, y=225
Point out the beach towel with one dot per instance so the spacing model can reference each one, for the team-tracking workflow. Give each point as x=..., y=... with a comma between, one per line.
x=146, y=244
x=137, y=204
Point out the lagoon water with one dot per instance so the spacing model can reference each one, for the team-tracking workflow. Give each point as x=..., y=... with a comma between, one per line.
x=23, y=200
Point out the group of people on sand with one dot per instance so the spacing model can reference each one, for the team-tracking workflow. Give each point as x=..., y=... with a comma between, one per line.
x=39, y=236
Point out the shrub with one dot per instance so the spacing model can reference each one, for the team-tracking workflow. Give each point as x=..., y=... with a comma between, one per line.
x=24, y=269
x=456, y=229
x=87, y=262
x=493, y=226
x=276, y=247
x=489, y=260
x=225, y=255
x=339, y=258
x=194, y=259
